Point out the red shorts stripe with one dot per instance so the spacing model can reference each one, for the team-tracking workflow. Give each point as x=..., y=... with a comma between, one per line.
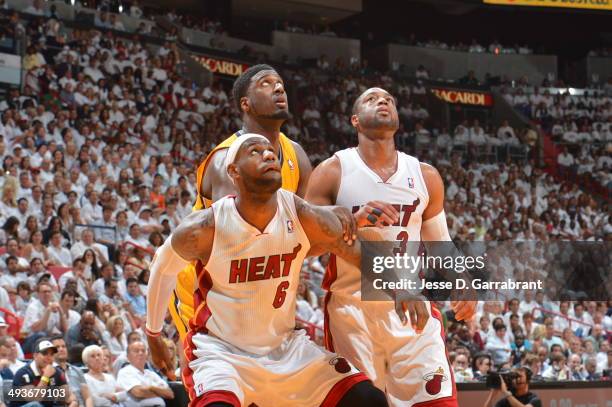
x=216, y=396
x=187, y=373
x=339, y=390
x=197, y=324
x=331, y=274
x=449, y=401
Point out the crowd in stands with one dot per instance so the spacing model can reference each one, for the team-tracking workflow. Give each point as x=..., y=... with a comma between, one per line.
x=495, y=47
x=98, y=154
x=313, y=29
x=580, y=124
x=601, y=52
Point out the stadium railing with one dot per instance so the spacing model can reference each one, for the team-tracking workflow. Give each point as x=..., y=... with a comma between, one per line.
x=569, y=319
x=310, y=328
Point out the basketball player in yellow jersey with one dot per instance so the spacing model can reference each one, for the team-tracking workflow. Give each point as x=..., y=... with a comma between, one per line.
x=259, y=93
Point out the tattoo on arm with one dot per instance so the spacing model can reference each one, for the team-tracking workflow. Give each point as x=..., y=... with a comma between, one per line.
x=325, y=232
x=193, y=237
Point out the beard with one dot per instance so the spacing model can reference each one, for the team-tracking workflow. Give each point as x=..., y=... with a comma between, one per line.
x=380, y=123
x=258, y=185
x=278, y=115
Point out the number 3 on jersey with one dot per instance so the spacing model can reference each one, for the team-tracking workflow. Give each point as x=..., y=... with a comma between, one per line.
x=402, y=237
x=281, y=294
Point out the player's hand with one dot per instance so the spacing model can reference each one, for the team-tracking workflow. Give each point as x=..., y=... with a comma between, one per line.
x=376, y=213
x=160, y=356
x=463, y=303
x=464, y=310
x=408, y=307
x=349, y=224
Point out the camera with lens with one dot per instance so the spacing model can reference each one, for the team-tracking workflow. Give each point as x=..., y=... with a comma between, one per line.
x=493, y=380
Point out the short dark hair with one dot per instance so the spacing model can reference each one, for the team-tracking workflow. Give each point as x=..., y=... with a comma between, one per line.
x=56, y=337
x=356, y=104
x=108, y=281
x=131, y=280
x=241, y=84
x=68, y=292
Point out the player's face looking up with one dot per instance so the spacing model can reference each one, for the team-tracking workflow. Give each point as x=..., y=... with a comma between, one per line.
x=266, y=97
x=257, y=167
x=375, y=109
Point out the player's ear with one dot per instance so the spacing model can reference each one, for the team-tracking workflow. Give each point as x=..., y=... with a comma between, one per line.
x=232, y=171
x=355, y=121
x=244, y=104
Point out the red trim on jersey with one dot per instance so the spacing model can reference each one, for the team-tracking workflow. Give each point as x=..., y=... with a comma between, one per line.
x=328, y=340
x=216, y=396
x=449, y=401
x=341, y=388
x=202, y=312
x=331, y=274
x=197, y=324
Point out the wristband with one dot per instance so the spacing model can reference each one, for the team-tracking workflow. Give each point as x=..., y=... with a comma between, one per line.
x=45, y=379
x=152, y=333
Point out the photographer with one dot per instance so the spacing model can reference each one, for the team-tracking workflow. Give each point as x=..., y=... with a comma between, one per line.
x=519, y=394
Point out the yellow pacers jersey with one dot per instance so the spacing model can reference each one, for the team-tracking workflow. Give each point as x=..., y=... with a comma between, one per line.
x=181, y=302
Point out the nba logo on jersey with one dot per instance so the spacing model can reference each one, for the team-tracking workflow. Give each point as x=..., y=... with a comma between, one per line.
x=410, y=182
x=290, y=164
x=199, y=389
x=290, y=226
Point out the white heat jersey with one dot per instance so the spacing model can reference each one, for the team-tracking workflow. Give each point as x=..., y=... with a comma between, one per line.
x=405, y=189
x=247, y=291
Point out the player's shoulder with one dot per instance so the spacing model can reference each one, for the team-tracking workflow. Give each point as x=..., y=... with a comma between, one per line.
x=330, y=166
x=202, y=218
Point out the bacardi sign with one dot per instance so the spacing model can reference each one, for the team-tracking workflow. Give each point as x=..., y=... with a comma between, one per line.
x=221, y=66
x=464, y=97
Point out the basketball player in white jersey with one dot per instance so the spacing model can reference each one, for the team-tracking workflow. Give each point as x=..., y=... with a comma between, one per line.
x=241, y=346
x=384, y=186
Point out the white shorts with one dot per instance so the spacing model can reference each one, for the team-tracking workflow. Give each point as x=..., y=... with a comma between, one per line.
x=413, y=370
x=297, y=373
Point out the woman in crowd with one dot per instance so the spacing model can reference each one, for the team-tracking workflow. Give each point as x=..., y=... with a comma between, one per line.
x=35, y=248
x=156, y=239
x=105, y=391
x=24, y=296
x=10, y=229
x=31, y=226
x=499, y=345
x=8, y=202
x=114, y=336
x=91, y=265
x=143, y=281
x=63, y=213
x=55, y=225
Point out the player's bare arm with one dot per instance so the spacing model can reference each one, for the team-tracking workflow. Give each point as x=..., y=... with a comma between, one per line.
x=323, y=190
x=434, y=228
x=192, y=239
x=216, y=183
x=305, y=169
x=325, y=232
